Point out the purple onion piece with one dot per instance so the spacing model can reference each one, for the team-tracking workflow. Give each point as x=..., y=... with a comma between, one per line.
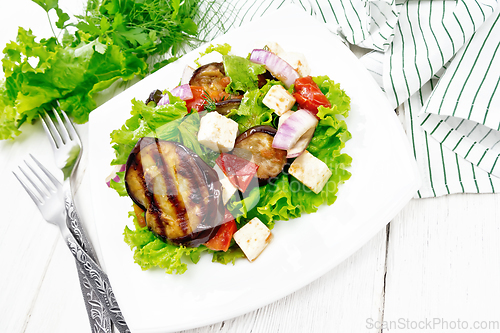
x=113, y=176
x=277, y=66
x=183, y=92
x=293, y=128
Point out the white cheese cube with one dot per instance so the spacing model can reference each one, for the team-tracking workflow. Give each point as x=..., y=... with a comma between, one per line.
x=253, y=238
x=297, y=61
x=279, y=100
x=228, y=189
x=271, y=46
x=217, y=132
x=310, y=171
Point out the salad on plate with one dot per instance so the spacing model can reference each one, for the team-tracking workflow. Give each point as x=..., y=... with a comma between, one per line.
x=240, y=143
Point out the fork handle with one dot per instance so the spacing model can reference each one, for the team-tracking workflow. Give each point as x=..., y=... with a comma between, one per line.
x=75, y=226
x=98, y=318
x=98, y=280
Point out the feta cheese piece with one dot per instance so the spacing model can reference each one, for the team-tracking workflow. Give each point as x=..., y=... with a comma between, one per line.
x=310, y=171
x=217, y=132
x=271, y=46
x=228, y=189
x=253, y=238
x=279, y=100
x=297, y=61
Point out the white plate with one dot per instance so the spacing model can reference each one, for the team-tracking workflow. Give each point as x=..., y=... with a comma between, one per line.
x=384, y=178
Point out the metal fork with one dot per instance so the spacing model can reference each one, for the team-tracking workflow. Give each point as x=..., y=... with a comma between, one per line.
x=68, y=149
x=48, y=195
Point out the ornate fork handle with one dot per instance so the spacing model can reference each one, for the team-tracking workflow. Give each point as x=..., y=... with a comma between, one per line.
x=99, y=320
x=76, y=228
x=98, y=280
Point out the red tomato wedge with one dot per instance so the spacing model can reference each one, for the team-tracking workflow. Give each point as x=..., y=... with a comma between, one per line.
x=222, y=239
x=197, y=102
x=238, y=170
x=308, y=95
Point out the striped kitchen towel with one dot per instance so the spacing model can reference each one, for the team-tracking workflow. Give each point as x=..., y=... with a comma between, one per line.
x=442, y=70
x=463, y=111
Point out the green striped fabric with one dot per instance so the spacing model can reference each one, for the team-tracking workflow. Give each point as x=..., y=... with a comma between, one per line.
x=468, y=99
x=443, y=68
x=428, y=35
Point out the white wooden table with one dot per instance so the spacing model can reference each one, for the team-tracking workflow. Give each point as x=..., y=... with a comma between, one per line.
x=435, y=267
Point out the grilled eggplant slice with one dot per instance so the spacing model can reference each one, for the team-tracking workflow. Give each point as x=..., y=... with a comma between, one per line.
x=209, y=77
x=255, y=144
x=179, y=192
x=224, y=107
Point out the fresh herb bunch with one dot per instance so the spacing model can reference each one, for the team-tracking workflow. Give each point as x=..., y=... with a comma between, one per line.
x=113, y=40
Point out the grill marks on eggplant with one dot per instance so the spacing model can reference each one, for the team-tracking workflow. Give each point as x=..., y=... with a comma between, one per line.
x=173, y=185
x=172, y=193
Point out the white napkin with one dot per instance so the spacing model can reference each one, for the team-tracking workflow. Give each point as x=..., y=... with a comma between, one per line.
x=426, y=60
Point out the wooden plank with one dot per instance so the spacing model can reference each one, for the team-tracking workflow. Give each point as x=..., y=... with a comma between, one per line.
x=59, y=306
x=444, y=263
x=340, y=301
x=26, y=240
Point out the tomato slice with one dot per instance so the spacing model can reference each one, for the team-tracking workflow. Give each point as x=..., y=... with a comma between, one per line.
x=238, y=170
x=308, y=95
x=197, y=102
x=222, y=239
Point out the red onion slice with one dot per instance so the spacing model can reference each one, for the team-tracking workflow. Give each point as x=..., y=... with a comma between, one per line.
x=293, y=129
x=183, y=92
x=277, y=66
x=113, y=176
x=301, y=144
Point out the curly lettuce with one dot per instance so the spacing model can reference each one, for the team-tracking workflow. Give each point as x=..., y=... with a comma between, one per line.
x=150, y=251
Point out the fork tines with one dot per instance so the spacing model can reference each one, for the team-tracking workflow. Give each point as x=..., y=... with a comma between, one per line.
x=38, y=193
x=62, y=135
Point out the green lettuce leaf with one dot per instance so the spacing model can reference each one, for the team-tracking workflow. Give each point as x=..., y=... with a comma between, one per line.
x=243, y=73
x=146, y=120
x=230, y=256
x=37, y=74
x=119, y=186
x=252, y=111
x=150, y=251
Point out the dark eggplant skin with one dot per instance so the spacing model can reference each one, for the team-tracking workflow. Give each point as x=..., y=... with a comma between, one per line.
x=260, y=128
x=257, y=141
x=262, y=78
x=208, y=76
x=155, y=96
x=179, y=192
x=224, y=107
